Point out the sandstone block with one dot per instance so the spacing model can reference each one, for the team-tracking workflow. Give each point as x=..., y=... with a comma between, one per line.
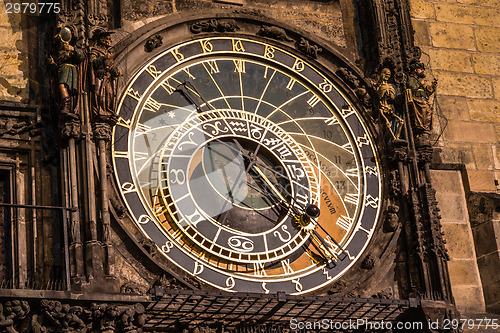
x=497, y=132
x=496, y=156
x=454, y=36
x=484, y=3
x=487, y=238
x=447, y=181
x=483, y=155
x=422, y=9
x=453, y=207
x=453, y=108
x=484, y=110
x=467, y=14
x=451, y=60
x=422, y=37
x=459, y=240
x=458, y=84
x=481, y=181
x=485, y=263
x=486, y=63
x=468, y=298
x=463, y=272
x=488, y=39
x=496, y=87
x=462, y=131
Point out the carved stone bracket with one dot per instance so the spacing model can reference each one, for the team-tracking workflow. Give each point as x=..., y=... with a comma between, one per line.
x=398, y=150
x=360, y=89
x=153, y=43
x=102, y=131
x=71, y=128
x=309, y=49
x=214, y=25
x=425, y=154
x=391, y=222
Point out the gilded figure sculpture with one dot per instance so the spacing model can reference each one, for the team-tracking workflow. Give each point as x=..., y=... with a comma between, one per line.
x=417, y=97
x=386, y=93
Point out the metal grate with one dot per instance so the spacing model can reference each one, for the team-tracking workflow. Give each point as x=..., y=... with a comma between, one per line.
x=199, y=308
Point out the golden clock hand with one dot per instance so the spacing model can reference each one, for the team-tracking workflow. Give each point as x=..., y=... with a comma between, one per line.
x=186, y=88
x=268, y=182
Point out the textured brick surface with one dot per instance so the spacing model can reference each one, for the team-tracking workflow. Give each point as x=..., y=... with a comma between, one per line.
x=461, y=84
x=462, y=274
x=422, y=9
x=468, y=298
x=456, y=36
x=453, y=108
x=481, y=181
x=470, y=132
x=486, y=63
x=459, y=241
x=484, y=110
x=464, y=14
x=488, y=39
x=483, y=155
x=451, y=60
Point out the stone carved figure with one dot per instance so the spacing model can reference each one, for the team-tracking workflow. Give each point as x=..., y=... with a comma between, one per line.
x=308, y=48
x=67, y=59
x=103, y=75
x=11, y=312
x=274, y=32
x=417, y=97
x=386, y=93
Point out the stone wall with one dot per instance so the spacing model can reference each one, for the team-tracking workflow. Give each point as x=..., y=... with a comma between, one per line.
x=323, y=19
x=460, y=40
x=13, y=82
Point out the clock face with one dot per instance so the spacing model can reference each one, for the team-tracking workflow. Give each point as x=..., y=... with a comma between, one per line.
x=226, y=151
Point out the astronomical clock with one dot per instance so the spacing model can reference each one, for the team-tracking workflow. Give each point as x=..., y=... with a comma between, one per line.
x=247, y=162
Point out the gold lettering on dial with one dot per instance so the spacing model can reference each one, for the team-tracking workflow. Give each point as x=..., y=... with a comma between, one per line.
x=198, y=268
x=133, y=93
x=298, y=65
x=313, y=101
x=177, y=55
x=206, y=46
x=238, y=45
x=151, y=69
x=345, y=222
x=239, y=66
x=212, y=65
x=269, y=52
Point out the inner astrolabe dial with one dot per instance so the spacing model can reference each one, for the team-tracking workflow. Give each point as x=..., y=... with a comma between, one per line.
x=226, y=151
x=231, y=181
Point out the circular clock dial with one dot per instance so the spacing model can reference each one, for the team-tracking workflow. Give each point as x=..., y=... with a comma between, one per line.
x=247, y=166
